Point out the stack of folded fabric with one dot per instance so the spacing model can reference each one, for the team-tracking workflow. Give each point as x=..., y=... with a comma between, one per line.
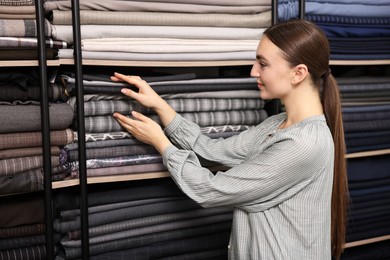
x=148, y=220
x=22, y=227
x=21, y=155
x=220, y=106
x=366, y=112
x=18, y=32
x=357, y=30
x=163, y=30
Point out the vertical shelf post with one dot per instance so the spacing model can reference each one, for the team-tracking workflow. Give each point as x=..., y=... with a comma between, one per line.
x=81, y=129
x=45, y=126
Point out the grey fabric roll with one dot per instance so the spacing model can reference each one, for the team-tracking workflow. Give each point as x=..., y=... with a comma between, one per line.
x=27, y=118
x=174, y=225
x=96, y=124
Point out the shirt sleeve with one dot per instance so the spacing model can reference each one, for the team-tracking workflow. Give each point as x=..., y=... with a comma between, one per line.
x=263, y=179
x=229, y=152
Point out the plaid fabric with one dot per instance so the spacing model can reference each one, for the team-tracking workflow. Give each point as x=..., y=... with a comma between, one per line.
x=6, y=42
x=107, y=107
x=100, y=124
x=22, y=28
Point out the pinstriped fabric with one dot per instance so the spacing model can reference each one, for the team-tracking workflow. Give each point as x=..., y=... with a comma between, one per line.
x=279, y=184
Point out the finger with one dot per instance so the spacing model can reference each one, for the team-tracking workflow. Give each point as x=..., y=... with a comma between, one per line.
x=140, y=117
x=130, y=79
x=126, y=122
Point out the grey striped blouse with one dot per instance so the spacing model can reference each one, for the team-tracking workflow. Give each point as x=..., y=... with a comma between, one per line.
x=279, y=184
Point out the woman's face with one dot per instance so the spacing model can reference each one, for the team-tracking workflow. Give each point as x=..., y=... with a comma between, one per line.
x=272, y=71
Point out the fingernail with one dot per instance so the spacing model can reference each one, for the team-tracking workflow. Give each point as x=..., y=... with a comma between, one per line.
x=124, y=91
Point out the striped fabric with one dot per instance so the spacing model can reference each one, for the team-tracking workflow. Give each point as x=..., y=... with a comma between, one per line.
x=280, y=184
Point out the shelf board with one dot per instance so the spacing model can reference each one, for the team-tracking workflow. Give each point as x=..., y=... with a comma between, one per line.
x=367, y=241
x=367, y=153
x=90, y=62
x=112, y=178
x=26, y=63
x=158, y=63
x=359, y=62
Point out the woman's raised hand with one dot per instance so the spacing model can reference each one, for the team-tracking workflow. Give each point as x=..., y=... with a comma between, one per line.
x=145, y=95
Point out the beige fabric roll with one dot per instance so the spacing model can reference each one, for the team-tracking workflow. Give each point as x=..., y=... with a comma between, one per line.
x=161, y=45
x=165, y=19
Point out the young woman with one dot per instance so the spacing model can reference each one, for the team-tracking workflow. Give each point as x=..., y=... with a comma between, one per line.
x=287, y=179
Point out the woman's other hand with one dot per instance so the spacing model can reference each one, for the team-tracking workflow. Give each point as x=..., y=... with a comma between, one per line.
x=144, y=129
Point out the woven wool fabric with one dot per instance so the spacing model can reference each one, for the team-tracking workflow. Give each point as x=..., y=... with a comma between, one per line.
x=33, y=139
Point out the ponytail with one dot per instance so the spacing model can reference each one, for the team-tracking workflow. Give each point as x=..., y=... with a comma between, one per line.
x=340, y=199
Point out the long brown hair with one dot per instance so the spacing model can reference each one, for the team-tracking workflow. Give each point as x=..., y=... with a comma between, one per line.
x=302, y=42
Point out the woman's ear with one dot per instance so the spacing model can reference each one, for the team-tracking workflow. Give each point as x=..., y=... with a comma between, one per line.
x=299, y=73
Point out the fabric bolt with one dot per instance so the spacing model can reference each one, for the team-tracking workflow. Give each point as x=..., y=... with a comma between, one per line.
x=93, y=137
x=192, y=244
x=108, y=107
x=27, y=151
x=207, y=94
x=30, y=42
x=151, y=220
x=289, y=9
x=28, y=181
x=119, y=170
x=27, y=118
x=19, y=242
x=162, y=6
x=37, y=252
x=22, y=230
x=168, y=18
x=22, y=27
x=163, y=45
x=270, y=205
x=167, y=82
x=12, y=166
x=369, y=125
x=122, y=214
x=23, y=209
x=118, y=161
x=34, y=139
x=73, y=213
x=106, y=143
x=115, y=151
x=11, y=92
x=153, y=229
x=375, y=165
x=355, y=20
x=17, y=2
x=69, y=199
x=234, y=117
x=26, y=53
x=64, y=32
x=151, y=239
x=366, y=116
x=127, y=56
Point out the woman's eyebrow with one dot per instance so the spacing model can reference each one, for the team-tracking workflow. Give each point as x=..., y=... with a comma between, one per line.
x=260, y=57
